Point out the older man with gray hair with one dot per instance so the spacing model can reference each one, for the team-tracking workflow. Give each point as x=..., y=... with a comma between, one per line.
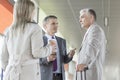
x=92, y=53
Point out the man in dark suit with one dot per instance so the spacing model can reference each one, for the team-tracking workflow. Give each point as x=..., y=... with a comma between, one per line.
x=52, y=67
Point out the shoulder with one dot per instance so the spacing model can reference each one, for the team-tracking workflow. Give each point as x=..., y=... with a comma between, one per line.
x=96, y=32
x=34, y=27
x=96, y=29
x=60, y=38
x=44, y=37
x=63, y=41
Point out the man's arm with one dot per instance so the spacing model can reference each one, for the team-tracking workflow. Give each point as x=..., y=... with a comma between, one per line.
x=67, y=57
x=44, y=61
x=47, y=60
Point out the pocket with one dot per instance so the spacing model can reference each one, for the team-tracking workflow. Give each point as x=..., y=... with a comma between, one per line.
x=30, y=72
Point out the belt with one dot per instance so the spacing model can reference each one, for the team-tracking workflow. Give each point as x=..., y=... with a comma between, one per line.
x=57, y=74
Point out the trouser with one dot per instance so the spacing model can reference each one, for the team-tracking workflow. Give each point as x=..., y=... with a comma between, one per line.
x=57, y=76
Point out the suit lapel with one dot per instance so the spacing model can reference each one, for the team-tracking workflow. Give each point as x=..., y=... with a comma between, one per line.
x=86, y=34
x=59, y=46
x=58, y=41
x=45, y=40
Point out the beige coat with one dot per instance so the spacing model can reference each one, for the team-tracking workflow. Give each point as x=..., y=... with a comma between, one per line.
x=93, y=53
x=21, y=53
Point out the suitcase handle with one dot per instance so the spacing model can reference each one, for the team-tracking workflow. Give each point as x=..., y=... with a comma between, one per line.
x=85, y=69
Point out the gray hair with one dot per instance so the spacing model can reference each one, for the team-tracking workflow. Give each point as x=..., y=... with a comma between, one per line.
x=49, y=17
x=90, y=11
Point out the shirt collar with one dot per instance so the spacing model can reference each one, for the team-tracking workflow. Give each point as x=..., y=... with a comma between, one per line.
x=49, y=36
x=91, y=26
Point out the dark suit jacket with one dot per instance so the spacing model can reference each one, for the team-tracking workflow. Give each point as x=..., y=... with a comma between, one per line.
x=47, y=67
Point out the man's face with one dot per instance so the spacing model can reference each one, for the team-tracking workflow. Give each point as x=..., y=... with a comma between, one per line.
x=85, y=19
x=51, y=26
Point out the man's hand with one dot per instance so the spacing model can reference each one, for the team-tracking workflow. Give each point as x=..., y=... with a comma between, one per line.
x=80, y=67
x=53, y=45
x=72, y=52
x=52, y=57
x=52, y=42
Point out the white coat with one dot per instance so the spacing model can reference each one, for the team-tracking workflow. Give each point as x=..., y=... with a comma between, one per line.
x=1, y=43
x=93, y=53
x=21, y=53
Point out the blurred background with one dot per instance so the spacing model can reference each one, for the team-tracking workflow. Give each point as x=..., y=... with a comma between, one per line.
x=67, y=11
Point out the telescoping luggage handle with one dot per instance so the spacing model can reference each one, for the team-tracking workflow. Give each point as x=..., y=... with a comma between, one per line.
x=86, y=68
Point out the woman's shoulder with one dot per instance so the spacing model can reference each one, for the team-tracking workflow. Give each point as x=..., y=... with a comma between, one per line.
x=33, y=24
x=33, y=27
